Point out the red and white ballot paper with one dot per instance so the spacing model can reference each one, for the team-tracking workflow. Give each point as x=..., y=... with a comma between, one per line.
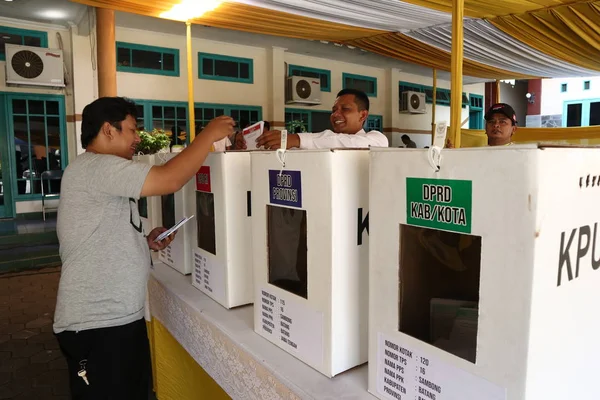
x=251, y=133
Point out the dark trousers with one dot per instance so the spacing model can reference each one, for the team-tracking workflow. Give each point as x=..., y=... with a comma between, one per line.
x=117, y=362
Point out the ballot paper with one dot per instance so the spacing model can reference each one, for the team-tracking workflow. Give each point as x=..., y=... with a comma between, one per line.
x=252, y=133
x=172, y=229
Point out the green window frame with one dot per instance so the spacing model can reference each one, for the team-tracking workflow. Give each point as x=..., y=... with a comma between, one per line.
x=208, y=64
x=587, y=85
x=475, y=111
x=352, y=81
x=25, y=36
x=442, y=95
x=31, y=117
x=323, y=74
x=295, y=116
x=164, y=52
x=374, y=123
x=204, y=112
x=588, y=108
x=157, y=114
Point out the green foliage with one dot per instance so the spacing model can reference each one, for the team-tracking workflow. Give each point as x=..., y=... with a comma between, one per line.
x=153, y=142
x=292, y=125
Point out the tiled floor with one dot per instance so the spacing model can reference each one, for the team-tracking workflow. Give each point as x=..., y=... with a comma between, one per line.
x=10, y=227
x=31, y=364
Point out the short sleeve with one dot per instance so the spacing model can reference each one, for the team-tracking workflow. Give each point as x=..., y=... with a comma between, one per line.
x=116, y=176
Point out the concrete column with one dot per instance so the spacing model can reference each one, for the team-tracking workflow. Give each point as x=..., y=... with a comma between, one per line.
x=107, y=52
x=276, y=87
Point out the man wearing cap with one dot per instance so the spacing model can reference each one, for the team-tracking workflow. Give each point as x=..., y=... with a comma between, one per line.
x=500, y=124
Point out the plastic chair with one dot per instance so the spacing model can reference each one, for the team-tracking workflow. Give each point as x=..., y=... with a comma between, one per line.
x=48, y=176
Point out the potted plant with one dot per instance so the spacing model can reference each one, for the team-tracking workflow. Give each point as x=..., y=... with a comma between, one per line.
x=152, y=142
x=292, y=125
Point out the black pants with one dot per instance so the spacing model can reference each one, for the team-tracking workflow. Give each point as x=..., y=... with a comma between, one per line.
x=117, y=362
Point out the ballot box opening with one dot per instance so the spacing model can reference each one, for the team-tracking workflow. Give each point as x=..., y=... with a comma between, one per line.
x=205, y=214
x=439, y=288
x=143, y=207
x=286, y=231
x=168, y=210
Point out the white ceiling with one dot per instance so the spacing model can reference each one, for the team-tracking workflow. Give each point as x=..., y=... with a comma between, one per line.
x=59, y=12
x=63, y=12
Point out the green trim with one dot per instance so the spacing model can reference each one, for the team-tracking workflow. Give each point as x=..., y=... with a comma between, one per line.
x=227, y=110
x=374, y=123
x=161, y=50
x=64, y=156
x=149, y=119
x=324, y=88
x=472, y=97
x=43, y=36
x=585, y=110
x=360, y=77
x=219, y=57
x=443, y=95
x=299, y=111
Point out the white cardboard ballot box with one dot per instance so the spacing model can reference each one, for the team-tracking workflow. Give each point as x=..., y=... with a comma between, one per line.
x=149, y=207
x=222, y=230
x=173, y=208
x=310, y=241
x=483, y=275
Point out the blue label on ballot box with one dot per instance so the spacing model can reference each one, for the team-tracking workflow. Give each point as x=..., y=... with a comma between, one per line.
x=285, y=188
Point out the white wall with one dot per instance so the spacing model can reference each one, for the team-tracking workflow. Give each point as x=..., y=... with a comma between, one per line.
x=158, y=87
x=553, y=99
x=53, y=32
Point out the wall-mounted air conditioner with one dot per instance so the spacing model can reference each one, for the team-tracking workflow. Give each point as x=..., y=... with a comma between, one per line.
x=35, y=66
x=413, y=103
x=301, y=90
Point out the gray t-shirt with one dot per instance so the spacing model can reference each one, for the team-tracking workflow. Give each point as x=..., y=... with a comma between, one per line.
x=105, y=255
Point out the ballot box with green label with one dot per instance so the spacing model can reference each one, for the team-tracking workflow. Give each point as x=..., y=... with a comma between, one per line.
x=222, y=232
x=173, y=208
x=484, y=273
x=149, y=207
x=310, y=246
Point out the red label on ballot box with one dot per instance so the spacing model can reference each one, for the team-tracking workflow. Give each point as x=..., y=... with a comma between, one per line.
x=203, y=179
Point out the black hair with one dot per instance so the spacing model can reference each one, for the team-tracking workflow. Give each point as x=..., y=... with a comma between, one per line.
x=405, y=137
x=360, y=98
x=113, y=110
x=267, y=126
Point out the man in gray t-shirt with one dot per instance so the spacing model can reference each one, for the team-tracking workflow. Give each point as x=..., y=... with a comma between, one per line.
x=99, y=317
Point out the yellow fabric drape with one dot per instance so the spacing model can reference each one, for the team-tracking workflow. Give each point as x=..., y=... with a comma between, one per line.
x=247, y=18
x=580, y=135
x=570, y=33
x=491, y=9
x=405, y=48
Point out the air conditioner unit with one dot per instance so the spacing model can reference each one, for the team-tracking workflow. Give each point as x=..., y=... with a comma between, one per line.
x=301, y=90
x=34, y=66
x=413, y=102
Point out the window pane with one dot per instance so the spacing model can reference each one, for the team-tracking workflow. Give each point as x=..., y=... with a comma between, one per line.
x=54, y=149
x=36, y=107
x=181, y=114
x=235, y=114
x=123, y=57
x=209, y=113
x=574, y=114
x=52, y=108
x=245, y=116
x=324, y=80
x=244, y=71
x=9, y=38
x=594, y=113
x=22, y=149
x=207, y=67
x=219, y=112
x=253, y=117
x=157, y=112
x=348, y=83
x=168, y=62
x=146, y=59
x=37, y=134
x=226, y=68
x=169, y=112
x=32, y=41
x=19, y=106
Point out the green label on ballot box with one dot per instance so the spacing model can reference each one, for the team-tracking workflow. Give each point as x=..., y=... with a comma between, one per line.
x=443, y=204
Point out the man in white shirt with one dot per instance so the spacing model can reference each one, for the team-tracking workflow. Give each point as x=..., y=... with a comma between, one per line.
x=348, y=116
